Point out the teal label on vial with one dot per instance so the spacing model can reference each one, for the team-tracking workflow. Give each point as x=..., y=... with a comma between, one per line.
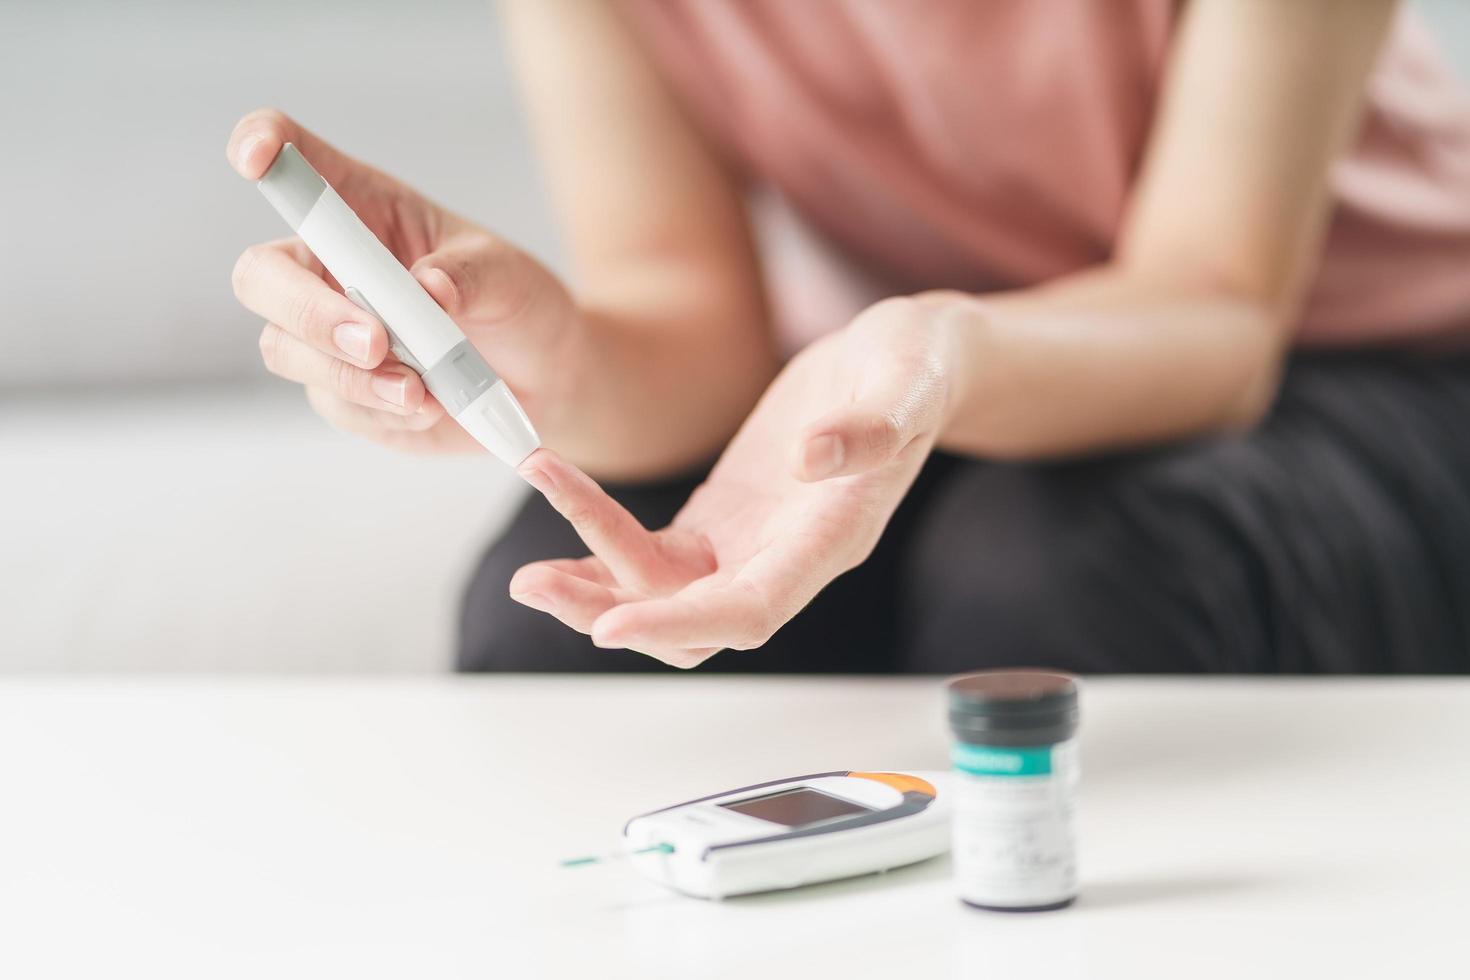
x=987, y=760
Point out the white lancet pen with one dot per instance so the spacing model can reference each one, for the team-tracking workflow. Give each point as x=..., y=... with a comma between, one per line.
x=423, y=336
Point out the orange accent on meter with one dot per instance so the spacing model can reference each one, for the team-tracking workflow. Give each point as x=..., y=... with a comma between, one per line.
x=899, y=781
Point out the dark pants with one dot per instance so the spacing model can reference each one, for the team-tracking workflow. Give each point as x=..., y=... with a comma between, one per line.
x=1333, y=538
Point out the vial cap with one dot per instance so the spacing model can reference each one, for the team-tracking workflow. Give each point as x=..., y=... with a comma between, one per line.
x=1013, y=708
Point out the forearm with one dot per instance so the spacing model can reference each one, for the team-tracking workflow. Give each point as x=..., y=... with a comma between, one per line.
x=671, y=346
x=660, y=377
x=1185, y=333
x=1106, y=359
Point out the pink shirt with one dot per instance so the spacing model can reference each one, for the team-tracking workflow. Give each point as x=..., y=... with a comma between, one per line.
x=990, y=145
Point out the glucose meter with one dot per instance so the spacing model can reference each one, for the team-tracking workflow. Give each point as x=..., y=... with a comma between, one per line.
x=791, y=832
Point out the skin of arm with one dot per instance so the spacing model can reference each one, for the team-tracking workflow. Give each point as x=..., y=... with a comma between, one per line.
x=1185, y=330
x=674, y=345
x=1182, y=333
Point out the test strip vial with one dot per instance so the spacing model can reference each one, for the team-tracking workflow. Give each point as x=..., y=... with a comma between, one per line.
x=1015, y=785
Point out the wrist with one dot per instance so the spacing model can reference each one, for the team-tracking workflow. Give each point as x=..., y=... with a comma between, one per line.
x=964, y=327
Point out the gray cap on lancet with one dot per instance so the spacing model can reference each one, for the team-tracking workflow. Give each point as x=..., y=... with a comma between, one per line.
x=292, y=186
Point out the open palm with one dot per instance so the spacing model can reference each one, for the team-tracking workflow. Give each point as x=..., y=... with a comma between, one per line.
x=800, y=496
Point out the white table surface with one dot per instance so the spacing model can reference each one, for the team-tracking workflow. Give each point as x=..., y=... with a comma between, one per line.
x=412, y=828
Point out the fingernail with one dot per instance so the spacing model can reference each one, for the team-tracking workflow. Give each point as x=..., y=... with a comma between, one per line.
x=535, y=600
x=539, y=479
x=242, y=156
x=824, y=456
x=353, y=339
x=392, y=388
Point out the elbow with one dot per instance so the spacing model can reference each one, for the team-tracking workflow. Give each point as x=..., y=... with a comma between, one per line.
x=1252, y=397
x=1252, y=327
x=1250, y=407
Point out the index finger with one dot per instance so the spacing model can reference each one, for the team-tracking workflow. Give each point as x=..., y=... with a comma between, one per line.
x=630, y=552
x=273, y=281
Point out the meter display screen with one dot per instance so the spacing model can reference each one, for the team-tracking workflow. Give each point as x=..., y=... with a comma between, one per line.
x=795, y=807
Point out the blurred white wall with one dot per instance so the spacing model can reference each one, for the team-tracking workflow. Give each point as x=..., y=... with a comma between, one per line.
x=166, y=505
x=122, y=217
x=1450, y=20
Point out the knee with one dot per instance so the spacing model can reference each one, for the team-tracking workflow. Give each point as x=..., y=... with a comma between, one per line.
x=496, y=633
x=499, y=635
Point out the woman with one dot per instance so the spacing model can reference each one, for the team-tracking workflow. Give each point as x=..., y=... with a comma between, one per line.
x=1142, y=381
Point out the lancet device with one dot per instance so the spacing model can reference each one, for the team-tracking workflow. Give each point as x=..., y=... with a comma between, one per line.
x=422, y=335
x=791, y=832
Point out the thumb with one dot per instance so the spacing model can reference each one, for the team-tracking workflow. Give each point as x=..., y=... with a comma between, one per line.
x=866, y=434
